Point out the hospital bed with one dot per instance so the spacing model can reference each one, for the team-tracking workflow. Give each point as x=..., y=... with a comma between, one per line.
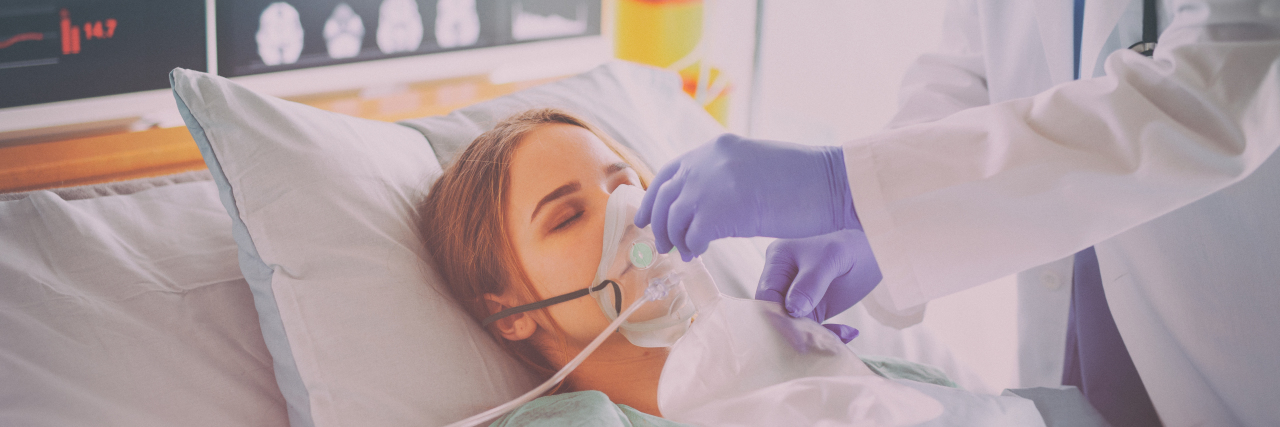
x=284, y=283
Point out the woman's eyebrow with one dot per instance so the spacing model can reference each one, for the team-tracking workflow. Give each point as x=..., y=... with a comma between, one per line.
x=615, y=168
x=562, y=191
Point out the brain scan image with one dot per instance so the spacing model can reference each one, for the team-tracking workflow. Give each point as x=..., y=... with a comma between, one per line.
x=457, y=23
x=399, y=26
x=267, y=36
x=533, y=26
x=279, y=34
x=343, y=32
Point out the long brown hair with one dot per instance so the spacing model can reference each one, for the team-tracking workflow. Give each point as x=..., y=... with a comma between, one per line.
x=463, y=226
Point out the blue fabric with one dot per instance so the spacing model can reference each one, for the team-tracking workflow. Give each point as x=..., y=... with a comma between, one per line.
x=1096, y=360
x=1078, y=18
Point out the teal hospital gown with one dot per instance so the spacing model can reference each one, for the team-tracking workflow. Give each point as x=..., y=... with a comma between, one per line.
x=580, y=408
x=593, y=408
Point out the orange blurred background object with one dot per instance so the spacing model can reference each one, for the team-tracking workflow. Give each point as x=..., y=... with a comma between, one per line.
x=163, y=151
x=669, y=34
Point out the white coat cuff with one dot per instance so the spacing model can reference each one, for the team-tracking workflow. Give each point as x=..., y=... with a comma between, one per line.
x=901, y=290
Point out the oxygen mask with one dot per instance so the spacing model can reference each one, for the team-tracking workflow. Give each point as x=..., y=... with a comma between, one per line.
x=630, y=267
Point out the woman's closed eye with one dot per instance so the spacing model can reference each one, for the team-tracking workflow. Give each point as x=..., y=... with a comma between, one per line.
x=569, y=221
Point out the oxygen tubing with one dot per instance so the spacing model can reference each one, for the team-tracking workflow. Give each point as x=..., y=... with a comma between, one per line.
x=655, y=291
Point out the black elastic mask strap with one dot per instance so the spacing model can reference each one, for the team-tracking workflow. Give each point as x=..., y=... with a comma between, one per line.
x=1147, y=46
x=617, y=302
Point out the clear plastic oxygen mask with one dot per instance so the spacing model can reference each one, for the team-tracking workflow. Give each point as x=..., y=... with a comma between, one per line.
x=661, y=293
x=632, y=266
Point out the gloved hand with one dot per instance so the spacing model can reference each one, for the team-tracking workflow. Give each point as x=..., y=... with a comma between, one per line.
x=736, y=187
x=821, y=276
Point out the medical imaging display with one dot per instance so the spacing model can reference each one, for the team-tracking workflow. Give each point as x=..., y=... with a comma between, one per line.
x=259, y=36
x=60, y=50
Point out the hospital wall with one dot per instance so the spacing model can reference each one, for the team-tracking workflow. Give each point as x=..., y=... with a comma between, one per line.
x=829, y=72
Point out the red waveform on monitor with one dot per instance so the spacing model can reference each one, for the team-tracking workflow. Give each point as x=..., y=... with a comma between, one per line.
x=21, y=38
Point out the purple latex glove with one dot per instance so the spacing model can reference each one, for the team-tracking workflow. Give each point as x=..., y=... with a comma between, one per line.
x=736, y=187
x=821, y=276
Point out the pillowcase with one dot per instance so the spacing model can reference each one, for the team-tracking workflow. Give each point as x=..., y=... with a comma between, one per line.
x=321, y=208
x=128, y=309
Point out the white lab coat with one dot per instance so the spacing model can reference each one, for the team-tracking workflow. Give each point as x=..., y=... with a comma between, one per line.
x=1001, y=163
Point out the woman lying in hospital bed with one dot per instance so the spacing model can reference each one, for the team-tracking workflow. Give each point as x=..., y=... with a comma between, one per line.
x=531, y=227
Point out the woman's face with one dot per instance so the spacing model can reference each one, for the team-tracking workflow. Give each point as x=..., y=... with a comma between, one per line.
x=561, y=178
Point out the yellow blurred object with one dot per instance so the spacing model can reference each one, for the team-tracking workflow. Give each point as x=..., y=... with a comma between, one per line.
x=657, y=32
x=668, y=34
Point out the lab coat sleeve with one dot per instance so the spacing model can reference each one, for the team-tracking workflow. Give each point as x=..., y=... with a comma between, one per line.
x=994, y=190
x=949, y=79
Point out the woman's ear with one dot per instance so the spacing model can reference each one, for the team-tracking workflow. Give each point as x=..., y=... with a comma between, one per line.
x=515, y=327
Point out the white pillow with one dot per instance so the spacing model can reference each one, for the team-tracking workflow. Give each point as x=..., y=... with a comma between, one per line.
x=128, y=310
x=321, y=206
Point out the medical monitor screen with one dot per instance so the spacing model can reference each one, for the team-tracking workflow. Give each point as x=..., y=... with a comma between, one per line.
x=260, y=36
x=70, y=49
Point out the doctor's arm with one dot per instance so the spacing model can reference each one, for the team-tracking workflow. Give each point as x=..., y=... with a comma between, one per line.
x=993, y=190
